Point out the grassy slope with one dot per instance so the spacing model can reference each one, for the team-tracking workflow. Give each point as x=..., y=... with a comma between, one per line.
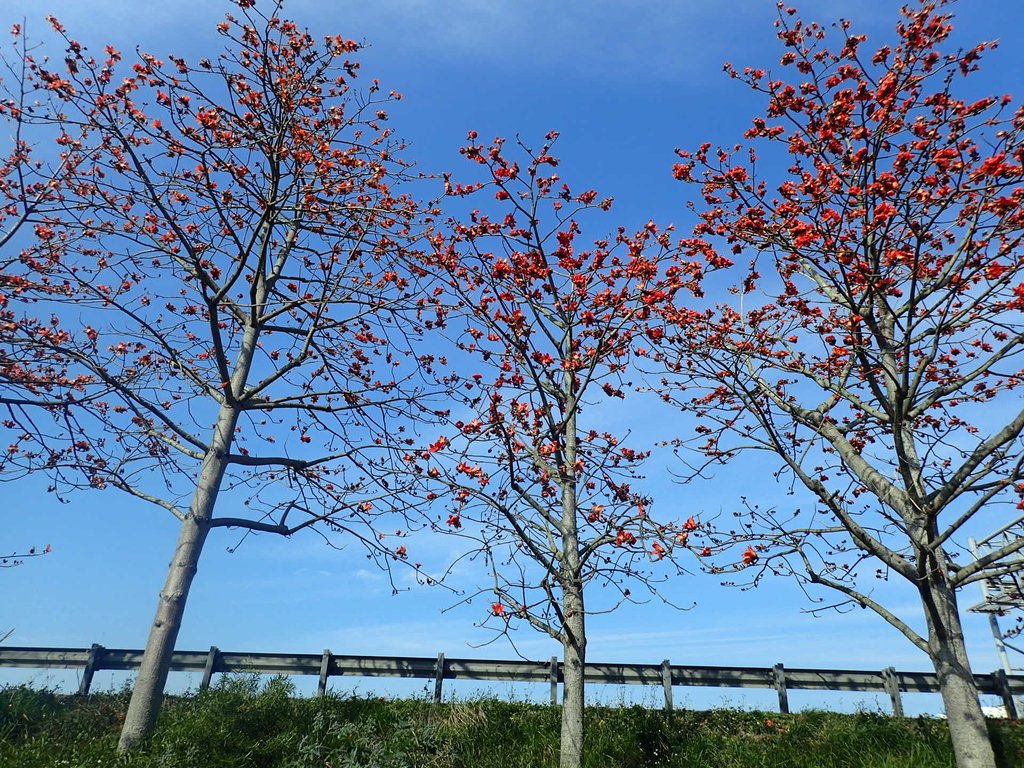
x=245, y=724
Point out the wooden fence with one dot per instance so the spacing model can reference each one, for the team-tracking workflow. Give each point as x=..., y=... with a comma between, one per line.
x=666, y=674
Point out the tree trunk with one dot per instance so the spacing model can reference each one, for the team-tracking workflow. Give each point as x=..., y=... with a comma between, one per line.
x=574, y=652
x=967, y=729
x=574, y=629
x=147, y=695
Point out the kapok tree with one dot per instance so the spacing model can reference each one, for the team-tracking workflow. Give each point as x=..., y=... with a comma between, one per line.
x=29, y=191
x=874, y=341
x=228, y=256
x=541, y=334
x=14, y=559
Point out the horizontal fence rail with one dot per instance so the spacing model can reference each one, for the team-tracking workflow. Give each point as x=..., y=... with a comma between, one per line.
x=439, y=669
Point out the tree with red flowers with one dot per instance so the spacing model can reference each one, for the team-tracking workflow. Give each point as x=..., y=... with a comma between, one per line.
x=15, y=559
x=226, y=251
x=30, y=190
x=873, y=343
x=542, y=331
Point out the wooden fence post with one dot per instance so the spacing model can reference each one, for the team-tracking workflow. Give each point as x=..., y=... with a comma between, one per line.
x=1003, y=686
x=892, y=687
x=554, y=681
x=210, y=668
x=438, y=678
x=666, y=683
x=779, y=679
x=325, y=670
x=92, y=663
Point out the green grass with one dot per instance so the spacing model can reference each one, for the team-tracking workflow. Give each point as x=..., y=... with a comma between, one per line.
x=248, y=723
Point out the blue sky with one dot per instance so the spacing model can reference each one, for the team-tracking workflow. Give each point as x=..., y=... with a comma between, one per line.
x=625, y=82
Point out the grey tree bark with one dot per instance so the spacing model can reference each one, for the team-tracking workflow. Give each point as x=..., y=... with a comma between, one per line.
x=574, y=651
x=574, y=631
x=948, y=652
x=140, y=720
x=147, y=694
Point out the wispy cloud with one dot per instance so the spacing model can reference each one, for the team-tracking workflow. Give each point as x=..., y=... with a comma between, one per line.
x=654, y=39
x=661, y=40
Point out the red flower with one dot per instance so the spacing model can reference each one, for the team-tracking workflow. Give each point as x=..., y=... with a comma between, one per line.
x=749, y=555
x=497, y=609
x=454, y=521
x=208, y=118
x=1018, y=302
x=995, y=271
x=624, y=538
x=690, y=524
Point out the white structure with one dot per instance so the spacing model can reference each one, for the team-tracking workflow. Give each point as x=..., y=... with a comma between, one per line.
x=1003, y=593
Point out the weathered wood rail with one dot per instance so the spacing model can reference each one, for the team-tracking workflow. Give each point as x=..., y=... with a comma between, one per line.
x=441, y=668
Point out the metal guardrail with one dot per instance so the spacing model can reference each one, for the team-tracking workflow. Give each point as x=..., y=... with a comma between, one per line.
x=439, y=669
